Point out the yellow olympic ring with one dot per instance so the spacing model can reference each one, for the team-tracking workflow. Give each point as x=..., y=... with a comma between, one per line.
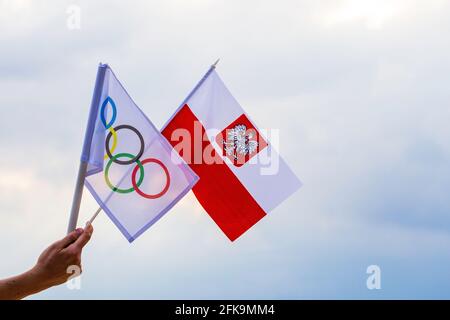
x=114, y=144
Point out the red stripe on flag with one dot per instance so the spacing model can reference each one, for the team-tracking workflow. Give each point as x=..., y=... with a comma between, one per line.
x=219, y=191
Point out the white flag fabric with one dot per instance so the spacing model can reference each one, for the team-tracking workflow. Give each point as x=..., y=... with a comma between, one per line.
x=242, y=176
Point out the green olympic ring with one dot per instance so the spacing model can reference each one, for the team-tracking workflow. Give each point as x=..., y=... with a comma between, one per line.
x=111, y=160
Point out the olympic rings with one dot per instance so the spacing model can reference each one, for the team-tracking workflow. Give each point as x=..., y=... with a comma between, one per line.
x=102, y=112
x=139, y=165
x=108, y=152
x=133, y=159
x=136, y=185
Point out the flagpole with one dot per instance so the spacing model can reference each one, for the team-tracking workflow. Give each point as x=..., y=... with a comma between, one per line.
x=215, y=63
x=95, y=215
x=78, y=193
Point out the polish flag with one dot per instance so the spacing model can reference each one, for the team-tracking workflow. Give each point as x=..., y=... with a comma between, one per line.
x=242, y=177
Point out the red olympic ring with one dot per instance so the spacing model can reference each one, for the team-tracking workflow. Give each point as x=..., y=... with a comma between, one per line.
x=150, y=196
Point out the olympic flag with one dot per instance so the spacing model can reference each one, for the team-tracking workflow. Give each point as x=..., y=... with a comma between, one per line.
x=131, y=169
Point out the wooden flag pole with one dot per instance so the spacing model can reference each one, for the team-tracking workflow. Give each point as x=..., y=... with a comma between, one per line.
x=95, y=215
x=215, y=63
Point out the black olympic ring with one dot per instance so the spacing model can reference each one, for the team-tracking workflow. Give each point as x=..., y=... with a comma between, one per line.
x=137, y=157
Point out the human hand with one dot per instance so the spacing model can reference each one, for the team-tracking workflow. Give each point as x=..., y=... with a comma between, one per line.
x=51, y=267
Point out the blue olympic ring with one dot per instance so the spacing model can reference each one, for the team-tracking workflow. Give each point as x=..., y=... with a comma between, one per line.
x=102, y=112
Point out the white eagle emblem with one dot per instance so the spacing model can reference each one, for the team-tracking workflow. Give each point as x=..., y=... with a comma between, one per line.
x=239, y=142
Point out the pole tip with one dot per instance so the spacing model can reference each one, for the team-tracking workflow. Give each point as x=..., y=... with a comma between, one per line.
x=215, y=63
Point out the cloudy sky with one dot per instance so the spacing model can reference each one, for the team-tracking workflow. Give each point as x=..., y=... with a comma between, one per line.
x=359, y=90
